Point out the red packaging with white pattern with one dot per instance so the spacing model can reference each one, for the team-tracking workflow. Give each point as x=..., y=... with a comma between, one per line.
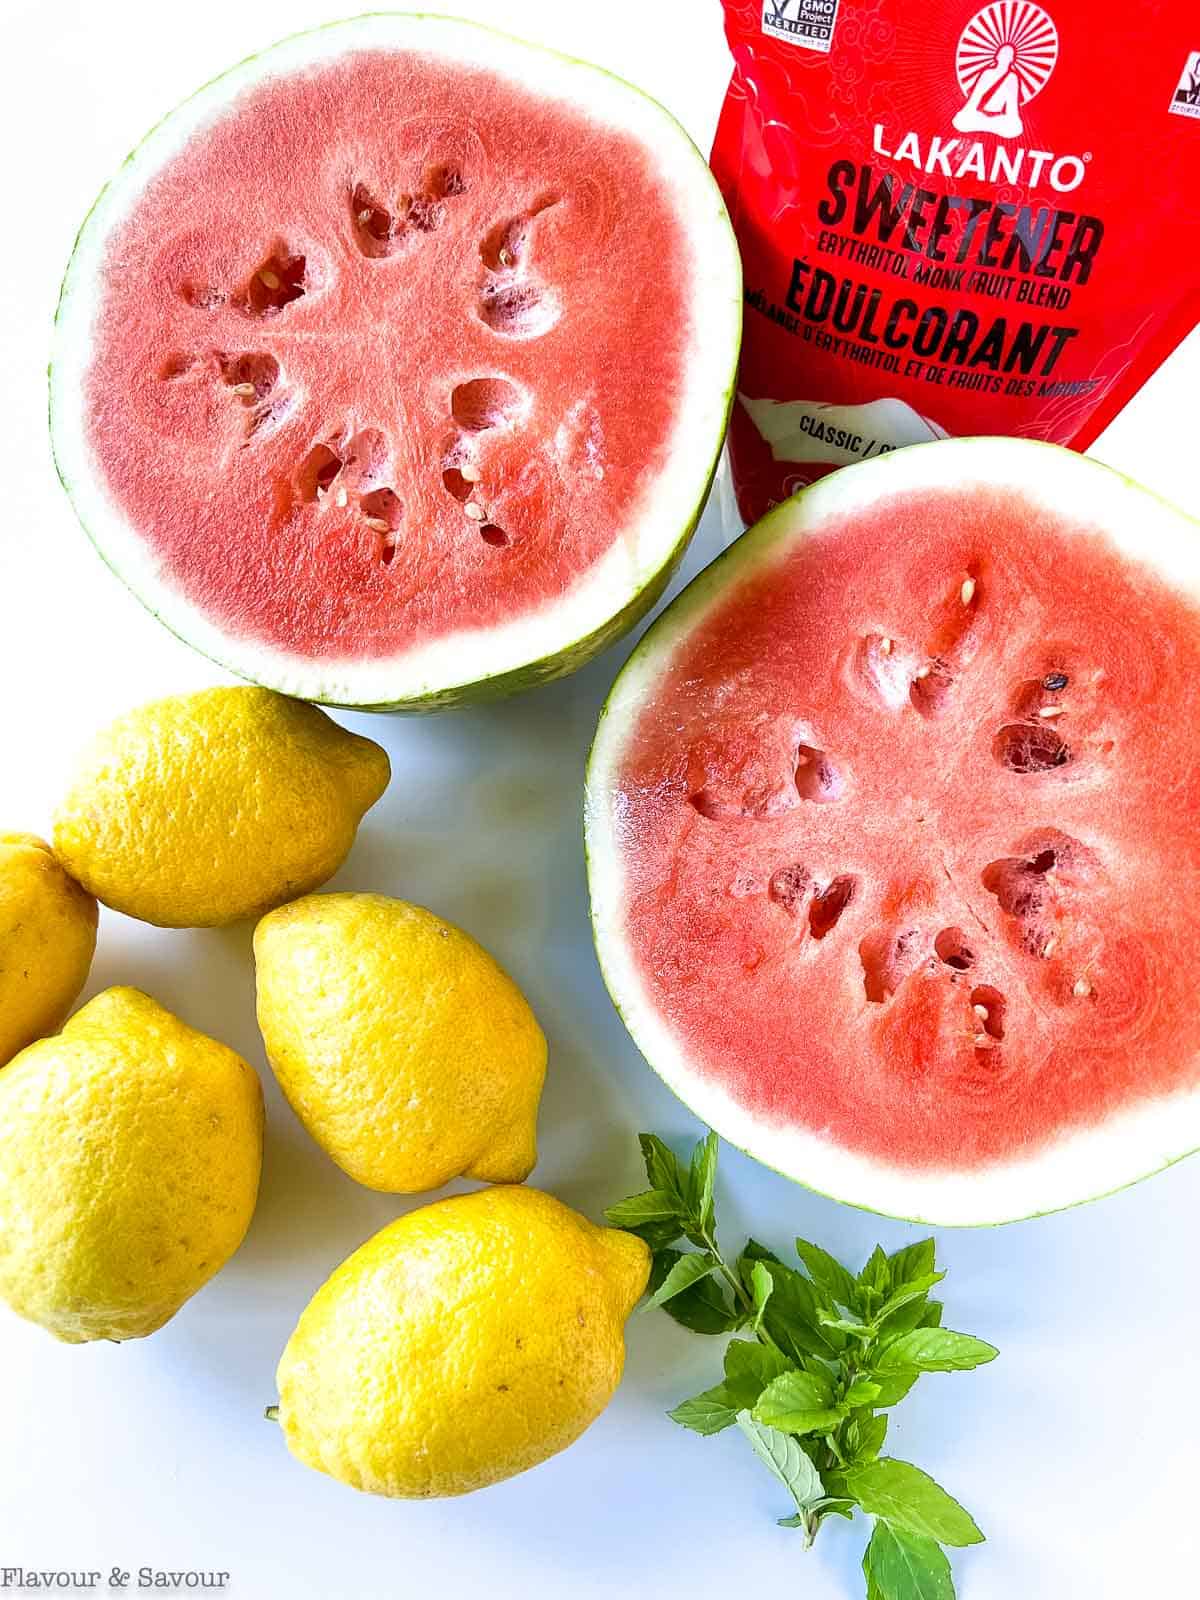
x=954, y=219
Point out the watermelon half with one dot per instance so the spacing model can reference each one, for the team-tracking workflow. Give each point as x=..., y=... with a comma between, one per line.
x=392, y=368
x=893, y=836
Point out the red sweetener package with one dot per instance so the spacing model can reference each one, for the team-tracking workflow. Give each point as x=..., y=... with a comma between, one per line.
x=955, y=219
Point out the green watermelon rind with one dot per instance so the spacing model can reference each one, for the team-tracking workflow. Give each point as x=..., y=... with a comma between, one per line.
x=1028, y=461
x=488, y=686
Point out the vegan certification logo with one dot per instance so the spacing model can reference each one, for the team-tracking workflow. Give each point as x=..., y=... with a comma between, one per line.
x=809, y=23
x=1005, y=56
x=1185, y=102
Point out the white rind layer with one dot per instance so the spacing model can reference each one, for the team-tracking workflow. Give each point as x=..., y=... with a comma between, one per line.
x=1082, y=1164
x=672, y=501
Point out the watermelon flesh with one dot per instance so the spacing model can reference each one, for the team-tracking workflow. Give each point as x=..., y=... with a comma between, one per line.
x=893, y=834
x=389, y=350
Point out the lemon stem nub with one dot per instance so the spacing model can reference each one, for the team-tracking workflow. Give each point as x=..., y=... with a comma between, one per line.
x=272, y=1413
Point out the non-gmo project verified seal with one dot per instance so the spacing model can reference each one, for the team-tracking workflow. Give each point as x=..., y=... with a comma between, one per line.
x=804, y=22
x=1185, y=102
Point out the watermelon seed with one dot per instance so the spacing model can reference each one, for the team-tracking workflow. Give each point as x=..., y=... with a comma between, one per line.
x=474, y=510
x=1050, y=946
x=885, y=647
x=989, y=1005
x=1051, y=711
x=923, y=672
x=280, y=280
x=1081, y=988
x=967, y=592
x=1053, y=682
x=382, y=510
x=250, y=376
x=491, y=534
x=470, y=473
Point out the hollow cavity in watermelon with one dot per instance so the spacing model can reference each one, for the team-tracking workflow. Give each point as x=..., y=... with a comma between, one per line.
x=892, y=833
x=392, y=368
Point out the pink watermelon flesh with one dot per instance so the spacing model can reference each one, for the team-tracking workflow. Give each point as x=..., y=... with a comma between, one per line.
x=946, y=937
x=381, y=354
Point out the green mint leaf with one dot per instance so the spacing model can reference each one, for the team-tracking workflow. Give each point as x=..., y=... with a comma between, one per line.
x=790, y=1314
x=799, y=1402
x=757, y=1252
x=874, y=1592
x=916, y=1290
x=703, y=1307
x=912, y=1262
x=909, y=1498
x=856, y=1330
x=906, y=1566
x=658, y=1235
x=749, y=1368
x=663, y=1170
x=894, y=1386
x=904, y=1314
x=876, y=1275
x=654, y=1205
x=761, y=1285
x=800, y=1423
x=932, y=1317
x=864, y=1439
x=681, y=1274
x=828, y=1272
x=782, y=1455
x=862, y=1392
x=706, y=1413
x=836, y=1508
x=808, y=1390
x=933, y=1350
x=702, y=1176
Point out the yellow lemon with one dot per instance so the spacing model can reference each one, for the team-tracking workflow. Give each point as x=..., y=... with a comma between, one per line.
x=47, y=940
x=407, y=1053
x=464, y=1343
x=203, y=808
x=129, y=1168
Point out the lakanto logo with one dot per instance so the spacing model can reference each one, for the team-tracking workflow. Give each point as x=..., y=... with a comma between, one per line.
x=1005, y=56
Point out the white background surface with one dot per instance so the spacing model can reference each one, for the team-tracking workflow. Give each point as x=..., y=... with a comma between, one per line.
x=1076, y=1450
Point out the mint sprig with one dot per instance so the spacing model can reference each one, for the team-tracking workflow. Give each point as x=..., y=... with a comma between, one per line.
x=825, y=1353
